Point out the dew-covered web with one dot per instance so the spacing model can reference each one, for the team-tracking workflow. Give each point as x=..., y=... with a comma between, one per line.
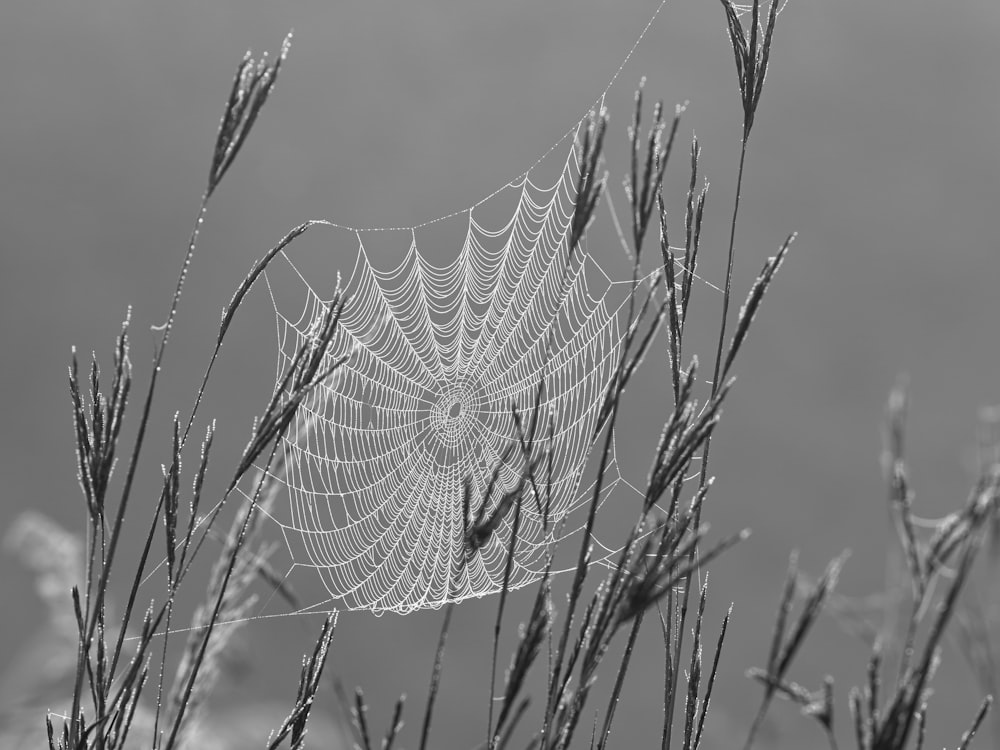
x=389, y=455
x=438, y=358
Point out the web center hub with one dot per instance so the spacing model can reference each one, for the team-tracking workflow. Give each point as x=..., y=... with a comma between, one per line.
x=453, y=414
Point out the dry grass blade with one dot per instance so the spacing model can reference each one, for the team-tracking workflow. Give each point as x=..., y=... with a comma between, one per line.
x=921, y=727
x=294, y=726
x=873, y=687
x=862, y=728
x=894, y=730
x=259, y=267
x=562, y=711
x=900, y=495
x=752, y=54
x=435, y=676
x=961, y=535
x=711, y=679
x=227, y=600
x=673, y=318
x=172, y=504
x=588, y=186
x=251, y=88
x=810, y=611
x=643, y=190
x=395, y=725
x=478, y=528
x=508, y=732
x=96, y=443
x=533, y=634
x=508, y=566
x=751, y=66
x=646, y=583
x=754, y=299
x=310, y=366
x=97, y=428
x=694, y=673
x=98, y=425
x=609, y=714
x=484, y=526
x=976, y=723
x=784, y=650
x=693, y=216
x=360, y=718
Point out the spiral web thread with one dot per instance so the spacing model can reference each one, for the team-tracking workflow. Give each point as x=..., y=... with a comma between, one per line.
x=439, y=358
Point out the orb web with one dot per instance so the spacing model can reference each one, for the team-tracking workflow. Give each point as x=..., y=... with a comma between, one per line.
x=438, y=360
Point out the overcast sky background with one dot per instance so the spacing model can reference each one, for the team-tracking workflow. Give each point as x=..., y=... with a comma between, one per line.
x=876, y=141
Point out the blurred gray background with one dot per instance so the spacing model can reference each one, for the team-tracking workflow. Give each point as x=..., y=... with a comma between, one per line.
x=876, y=140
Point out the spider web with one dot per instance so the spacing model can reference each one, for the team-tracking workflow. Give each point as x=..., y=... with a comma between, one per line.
x=438, y=359
x=392, y=454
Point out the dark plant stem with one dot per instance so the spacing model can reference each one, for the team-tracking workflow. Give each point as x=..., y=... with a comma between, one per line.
x=168, y=326
x=609, y=715
x=251, y=279
x=136, y=581
x=703, y=479
x=727, y=292
x=102, y=587
x=579, y=574
x=676, y=660
x=435, y=676
x=757, y=722
x=163, y=666
x=490, y=739
x=666, y=624
x=220, y=598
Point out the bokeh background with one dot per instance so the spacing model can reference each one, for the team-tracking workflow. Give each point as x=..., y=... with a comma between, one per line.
x=877, y=141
